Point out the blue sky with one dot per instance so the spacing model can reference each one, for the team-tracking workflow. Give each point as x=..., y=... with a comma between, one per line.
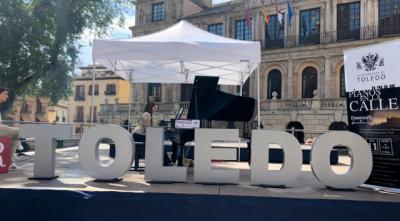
x=114, y=32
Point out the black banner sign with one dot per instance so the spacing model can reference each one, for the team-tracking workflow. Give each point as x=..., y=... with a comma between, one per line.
x=375, y=115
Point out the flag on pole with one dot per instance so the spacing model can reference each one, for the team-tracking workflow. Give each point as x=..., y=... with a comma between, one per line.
x=290, y=13
x=264, y=11
x=279, y=13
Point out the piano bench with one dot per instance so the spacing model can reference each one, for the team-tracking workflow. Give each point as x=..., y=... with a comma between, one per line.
x=139, y=153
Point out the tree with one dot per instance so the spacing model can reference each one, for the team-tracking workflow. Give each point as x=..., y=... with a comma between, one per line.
x=38, y=42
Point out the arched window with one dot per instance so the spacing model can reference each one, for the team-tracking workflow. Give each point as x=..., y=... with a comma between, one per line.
x=297, y=129
x=274, y=83
x=310, y=82
x=338, y=126
x=342, y=83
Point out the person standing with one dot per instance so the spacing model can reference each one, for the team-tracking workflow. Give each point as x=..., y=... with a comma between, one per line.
x=139, y=133
x=11, y=132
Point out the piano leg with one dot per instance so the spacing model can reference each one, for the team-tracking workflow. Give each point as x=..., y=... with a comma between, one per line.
x=180, y=155
x=174, y=152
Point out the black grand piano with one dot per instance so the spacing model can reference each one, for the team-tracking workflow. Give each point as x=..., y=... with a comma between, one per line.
x=207, y=103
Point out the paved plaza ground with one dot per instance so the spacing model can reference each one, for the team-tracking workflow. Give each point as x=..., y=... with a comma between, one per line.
x=73, y=178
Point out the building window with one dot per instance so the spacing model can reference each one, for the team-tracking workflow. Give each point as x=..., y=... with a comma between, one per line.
x=186, y=92
x=110, y=89
x=158, y=12
x=80, y=93
x=348, y=21
x=310, y=26
x=274, y=84
x=78, y=130
x=79, y=114
x=274, y=33
x=154, y=91
x=243, y=32
x=342, y=83
x=245, y=89
x=389, y=17
x=310, y=82
x=25, y=107
x=217, y=29
x=39, y=107
x=96, y=90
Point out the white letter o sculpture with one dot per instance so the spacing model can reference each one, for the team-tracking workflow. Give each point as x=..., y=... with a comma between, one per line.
x=89, y=152
x=361, y=154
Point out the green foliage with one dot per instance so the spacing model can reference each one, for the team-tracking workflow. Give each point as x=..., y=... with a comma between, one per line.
x=38, y=49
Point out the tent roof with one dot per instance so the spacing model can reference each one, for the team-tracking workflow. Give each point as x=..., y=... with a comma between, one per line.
x=177, y=54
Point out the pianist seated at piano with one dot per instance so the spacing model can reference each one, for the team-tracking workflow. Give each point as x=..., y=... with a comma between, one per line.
x=145, y=121
x=207, y=103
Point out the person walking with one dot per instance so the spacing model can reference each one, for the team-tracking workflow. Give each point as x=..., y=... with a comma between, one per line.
x=11, y=132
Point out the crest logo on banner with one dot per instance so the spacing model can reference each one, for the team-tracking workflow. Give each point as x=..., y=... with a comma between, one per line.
x=370, y=62
x=373, y=106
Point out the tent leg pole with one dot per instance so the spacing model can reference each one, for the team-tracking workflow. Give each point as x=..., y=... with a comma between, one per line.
x=93, y=90
x=241, y=84
x=258, y=97
x=130, y=100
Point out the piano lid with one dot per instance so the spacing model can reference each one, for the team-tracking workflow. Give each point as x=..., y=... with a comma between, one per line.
x=208, y=103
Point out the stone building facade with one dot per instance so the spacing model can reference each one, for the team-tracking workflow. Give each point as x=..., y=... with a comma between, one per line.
x=109, y=89
x=302, y=75
x=37, y=109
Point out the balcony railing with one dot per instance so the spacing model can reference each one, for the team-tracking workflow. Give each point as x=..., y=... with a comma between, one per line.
x=148, y=18
x=277, y=104
x=333, y=103
x=78, y=118
x=304, y=104
x=110, y=92
x=332, y=37
x=89, y=118
x=388, y=30
x=79, y=98
x=139, y=108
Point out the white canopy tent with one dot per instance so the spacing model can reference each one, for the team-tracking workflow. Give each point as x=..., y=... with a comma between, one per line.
x=178, y=54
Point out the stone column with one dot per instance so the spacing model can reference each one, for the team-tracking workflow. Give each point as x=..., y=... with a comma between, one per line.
x=376, y=13
x=139, y=95
x=365, y=11
x=176, y=93
x=296, y=24
x=164, y=94
x=334, y=15
x=290, y=80
x=328, y=77
x=328, y=16
x=286, y=29
x=227, y=26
